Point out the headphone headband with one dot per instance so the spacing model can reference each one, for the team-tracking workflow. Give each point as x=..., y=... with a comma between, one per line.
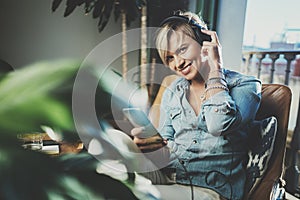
x=200, y=36
x=181, y=18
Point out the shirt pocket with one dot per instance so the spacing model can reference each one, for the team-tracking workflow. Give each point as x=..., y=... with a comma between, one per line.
x=175, y=115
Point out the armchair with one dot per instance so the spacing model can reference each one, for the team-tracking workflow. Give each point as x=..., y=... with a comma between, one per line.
x=276, y=100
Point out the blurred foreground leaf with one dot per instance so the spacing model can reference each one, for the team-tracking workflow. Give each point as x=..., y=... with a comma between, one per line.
x=38, y=94
x=28, y=175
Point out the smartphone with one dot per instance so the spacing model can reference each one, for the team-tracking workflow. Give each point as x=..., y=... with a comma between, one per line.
x=138, y=118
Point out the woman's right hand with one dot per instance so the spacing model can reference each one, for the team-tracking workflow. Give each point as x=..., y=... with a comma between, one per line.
x=147, y=144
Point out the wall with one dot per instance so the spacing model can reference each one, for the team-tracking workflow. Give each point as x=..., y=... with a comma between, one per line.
x=230, y=28
x=30, y=32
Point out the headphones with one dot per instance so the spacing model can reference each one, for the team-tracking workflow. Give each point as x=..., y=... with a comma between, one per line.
x=200, y=36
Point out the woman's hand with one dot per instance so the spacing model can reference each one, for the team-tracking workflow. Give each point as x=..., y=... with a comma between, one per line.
x=213, y=51
x=147, y=144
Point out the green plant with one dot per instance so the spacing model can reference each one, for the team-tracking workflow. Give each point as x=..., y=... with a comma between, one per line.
x=41, y=94
x=102, y=9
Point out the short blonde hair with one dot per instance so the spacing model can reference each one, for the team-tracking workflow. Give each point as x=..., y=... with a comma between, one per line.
x=184, y=22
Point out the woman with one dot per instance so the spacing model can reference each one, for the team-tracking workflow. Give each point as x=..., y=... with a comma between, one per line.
x=206, y=112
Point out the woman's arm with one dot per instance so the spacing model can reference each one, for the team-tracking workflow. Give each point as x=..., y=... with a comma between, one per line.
x=227, y=111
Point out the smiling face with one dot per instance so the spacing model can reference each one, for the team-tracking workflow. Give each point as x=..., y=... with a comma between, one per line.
x=183, y=55
x=179, y=50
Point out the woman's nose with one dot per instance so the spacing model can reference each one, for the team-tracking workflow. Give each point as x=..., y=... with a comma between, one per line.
x=179, y=62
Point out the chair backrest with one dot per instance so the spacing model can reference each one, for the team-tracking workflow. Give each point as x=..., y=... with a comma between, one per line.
x=276, y=101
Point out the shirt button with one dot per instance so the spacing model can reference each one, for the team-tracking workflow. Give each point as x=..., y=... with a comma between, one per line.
x=216, y=109
x=182, y=162
x=195, y=141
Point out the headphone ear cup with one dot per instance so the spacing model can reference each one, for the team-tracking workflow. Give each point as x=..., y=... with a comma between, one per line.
x=197, y=35
x=200, y=36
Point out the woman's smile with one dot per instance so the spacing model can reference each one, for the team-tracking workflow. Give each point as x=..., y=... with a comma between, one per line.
x=185, y=70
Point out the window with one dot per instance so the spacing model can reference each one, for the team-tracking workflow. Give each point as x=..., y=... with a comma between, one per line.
x=271, y=22
x=273, y=25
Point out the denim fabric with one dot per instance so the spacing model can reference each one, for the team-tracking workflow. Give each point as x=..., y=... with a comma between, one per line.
x=210, y=150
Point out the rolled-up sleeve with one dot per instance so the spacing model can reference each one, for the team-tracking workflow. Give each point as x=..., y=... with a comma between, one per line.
x=227, y=111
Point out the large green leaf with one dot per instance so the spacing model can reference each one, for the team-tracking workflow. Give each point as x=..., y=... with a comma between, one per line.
x=38, y=94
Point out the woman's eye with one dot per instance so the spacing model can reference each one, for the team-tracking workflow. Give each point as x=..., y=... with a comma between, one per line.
x=182, y=49
x=169, y=58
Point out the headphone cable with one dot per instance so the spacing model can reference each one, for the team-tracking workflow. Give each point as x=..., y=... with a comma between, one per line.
x=189, y=178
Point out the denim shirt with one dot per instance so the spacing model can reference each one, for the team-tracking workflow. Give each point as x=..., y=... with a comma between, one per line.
x=210, y=150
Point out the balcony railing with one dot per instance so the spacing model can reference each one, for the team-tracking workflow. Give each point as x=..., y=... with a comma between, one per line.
x=276, y=66
x=273, y=62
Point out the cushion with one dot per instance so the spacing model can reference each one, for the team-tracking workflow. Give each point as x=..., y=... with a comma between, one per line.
x=261, y=145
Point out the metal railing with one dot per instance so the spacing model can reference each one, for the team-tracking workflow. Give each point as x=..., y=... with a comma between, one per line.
x=273, y=62
x=276, y=66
